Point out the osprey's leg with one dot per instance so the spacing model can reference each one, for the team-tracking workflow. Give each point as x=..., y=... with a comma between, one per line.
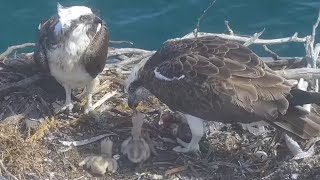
x=68, y=103
x=89, y=91
x=196, y=127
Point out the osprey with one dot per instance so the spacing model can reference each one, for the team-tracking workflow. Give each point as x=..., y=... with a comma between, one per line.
x=215, y=79
x=73, y=46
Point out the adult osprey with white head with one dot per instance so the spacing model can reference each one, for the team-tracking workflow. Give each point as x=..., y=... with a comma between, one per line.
x=215, y=79
x=73, y=46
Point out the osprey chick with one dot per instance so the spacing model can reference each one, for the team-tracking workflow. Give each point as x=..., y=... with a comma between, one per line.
x=73, y=46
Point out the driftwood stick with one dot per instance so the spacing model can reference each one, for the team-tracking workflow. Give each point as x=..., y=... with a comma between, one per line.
x=253, y=38
x=314, y=28
x=85, y=141
x=274, y=55
x=121, y=51
x=12, y=48
x=293, y=38
x=121, y=42
x=104, y=99
x=230, y=31
x=305, y=73
x=195, y=32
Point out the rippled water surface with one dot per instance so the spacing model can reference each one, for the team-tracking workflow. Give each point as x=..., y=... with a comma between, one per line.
x=148, y=23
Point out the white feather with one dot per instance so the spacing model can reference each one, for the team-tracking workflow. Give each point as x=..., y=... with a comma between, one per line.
x=64, y=60
x=71, y=13
x=99, y=27
x=162, y=77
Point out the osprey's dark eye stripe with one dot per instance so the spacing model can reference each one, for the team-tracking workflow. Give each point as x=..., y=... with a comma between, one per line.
x=84, y=18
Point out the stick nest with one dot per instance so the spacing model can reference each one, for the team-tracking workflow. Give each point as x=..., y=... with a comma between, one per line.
x=30, y=132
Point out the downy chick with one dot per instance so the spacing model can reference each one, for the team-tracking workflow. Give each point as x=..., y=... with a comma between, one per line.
x=135, y=147
x=99, y=165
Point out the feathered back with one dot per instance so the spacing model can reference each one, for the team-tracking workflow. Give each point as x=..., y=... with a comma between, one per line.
x=211, y=70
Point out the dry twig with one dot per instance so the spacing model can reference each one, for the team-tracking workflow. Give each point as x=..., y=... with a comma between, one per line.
x=121, y=42
x=305, y=73
x=253, y=38
x=104, y=99
x=293, y=38
x=85, y=141
x=230, y=31
x=274, y=55
x=201, y=18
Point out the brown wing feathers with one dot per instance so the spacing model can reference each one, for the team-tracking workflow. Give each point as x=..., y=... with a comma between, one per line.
x=96, y=53
x=234, y=71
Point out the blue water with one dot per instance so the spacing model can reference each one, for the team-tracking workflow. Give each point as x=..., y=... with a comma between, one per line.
x=147, y=23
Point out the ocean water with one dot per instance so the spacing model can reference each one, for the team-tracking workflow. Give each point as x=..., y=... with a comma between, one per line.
x=148, y=23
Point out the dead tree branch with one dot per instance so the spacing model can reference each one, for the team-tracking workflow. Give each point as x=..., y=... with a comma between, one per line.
x=121, y=42
x=230, y=31
x=305, y=73
x=274, y=55
x=195, y=32
x=253, y=38
x=13, y=48
x=123, y=51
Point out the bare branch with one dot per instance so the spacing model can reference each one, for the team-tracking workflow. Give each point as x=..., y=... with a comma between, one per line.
x=201, y=17
x=305, y=73
x=293, y=38
x=253, y=38
x=316, y=51
x=284, y=61
x=104, y=99
x=122, y=51
x=85, y=141
x=228, y=28
x=121, y=42
x=314, y=28
x=12, y=48
x=274, y=55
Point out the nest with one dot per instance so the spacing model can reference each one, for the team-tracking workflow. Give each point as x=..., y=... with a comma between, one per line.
x=31, y=134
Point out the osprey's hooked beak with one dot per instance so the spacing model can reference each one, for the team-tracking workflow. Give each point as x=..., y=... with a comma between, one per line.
x=135, y=97
x=132, y=101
